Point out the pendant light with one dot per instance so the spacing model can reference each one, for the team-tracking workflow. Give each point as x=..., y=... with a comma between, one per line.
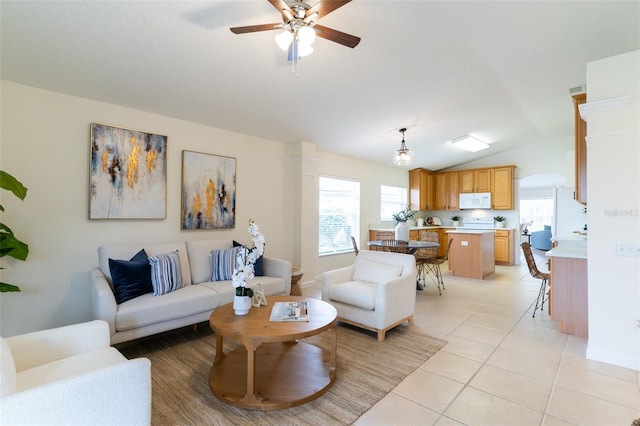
x=403, y=155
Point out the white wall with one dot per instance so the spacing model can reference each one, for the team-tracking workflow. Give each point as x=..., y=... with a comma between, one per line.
x=45, y=144
x=613, y=194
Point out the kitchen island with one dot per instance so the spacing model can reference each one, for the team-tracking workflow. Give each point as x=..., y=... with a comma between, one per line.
x=472, y=253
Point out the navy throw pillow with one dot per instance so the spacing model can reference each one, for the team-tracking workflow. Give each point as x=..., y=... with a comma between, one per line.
x=257, y=268
x=131, y=278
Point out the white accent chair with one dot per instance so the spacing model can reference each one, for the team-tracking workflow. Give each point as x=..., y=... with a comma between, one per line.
x=377, y=292
x=71, y=376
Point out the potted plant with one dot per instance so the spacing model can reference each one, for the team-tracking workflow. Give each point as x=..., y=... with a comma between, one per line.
x=499, y=221
x=401, y=218
x=9, y=244
x=456, y=219
x=244, y=270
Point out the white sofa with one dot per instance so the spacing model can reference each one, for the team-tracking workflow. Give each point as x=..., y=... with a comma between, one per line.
x=71, y=376
x=148, y=314
x=377, y=292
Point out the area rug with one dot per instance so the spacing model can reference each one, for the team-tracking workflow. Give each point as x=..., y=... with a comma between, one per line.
x=367, y=370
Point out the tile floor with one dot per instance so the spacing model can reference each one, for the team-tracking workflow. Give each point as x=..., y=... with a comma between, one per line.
x=500, y=365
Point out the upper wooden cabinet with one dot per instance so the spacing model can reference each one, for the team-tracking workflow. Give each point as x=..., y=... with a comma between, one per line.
x=475, y=180
x=441, y=191
x=446, y=191
x=502, y=188
x=581, y=149
x=421, y=189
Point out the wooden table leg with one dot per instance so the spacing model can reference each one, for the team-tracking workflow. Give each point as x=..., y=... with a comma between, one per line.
x=251, y=397
x=334, y=350
x=219, y=350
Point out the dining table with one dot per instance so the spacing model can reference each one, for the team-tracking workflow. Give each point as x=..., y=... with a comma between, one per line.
x=412, y=245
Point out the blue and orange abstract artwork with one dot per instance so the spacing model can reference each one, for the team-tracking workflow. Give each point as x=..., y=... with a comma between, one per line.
x=128, y=178
x=208, y=191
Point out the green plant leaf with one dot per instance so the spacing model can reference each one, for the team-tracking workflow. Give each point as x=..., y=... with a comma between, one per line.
x=5, y=288
x=11, y=246
x=12, y=184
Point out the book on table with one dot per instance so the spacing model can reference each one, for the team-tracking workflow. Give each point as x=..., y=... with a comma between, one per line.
x=289, y=311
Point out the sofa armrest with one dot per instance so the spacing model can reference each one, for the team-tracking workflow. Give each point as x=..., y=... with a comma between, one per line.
x=118, y=394
x=395, y=298
x=103, y=301
x=41, y=347
x=273, y=267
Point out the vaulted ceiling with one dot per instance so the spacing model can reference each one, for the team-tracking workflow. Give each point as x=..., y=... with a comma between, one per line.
x=500, y=71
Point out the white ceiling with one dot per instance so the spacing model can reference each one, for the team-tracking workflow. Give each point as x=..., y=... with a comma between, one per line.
x=498, y=70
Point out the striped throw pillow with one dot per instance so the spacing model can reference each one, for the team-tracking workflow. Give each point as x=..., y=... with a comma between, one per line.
x=165, y=273
x=223, y=263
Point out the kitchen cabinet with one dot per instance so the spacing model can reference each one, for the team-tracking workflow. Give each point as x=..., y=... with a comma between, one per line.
x=502, y=188
x=569, y=303
x=581, y=150
x=475, y=180
x=444, y=240
x=503, y=247
x=421, y=189
x=446, y=191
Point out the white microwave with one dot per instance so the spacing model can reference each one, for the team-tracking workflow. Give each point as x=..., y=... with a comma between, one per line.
x=475, y=200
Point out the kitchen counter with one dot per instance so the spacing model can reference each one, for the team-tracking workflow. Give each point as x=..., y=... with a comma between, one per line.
x=471, y=231
x=412, y=228
x=571, y=252
x=472, y=253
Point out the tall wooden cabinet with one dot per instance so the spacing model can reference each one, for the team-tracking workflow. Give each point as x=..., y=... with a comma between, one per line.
x=581, y=149
x=503, y=247
x=446, y=191
x=421, y=189
x=502, y=188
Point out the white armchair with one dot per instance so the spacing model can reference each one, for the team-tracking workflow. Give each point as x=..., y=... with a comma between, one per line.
x=377, y=292
x=71, y=376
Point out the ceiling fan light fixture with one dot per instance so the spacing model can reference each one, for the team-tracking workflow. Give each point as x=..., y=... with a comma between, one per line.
x=307, y=35
x=469, y=143
x=283, y=40
x=403, y=155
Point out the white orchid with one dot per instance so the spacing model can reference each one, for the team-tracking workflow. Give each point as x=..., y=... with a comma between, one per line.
x=246, y=260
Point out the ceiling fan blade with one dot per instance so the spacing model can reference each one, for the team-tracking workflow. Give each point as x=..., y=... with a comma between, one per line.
x=325, y=7
x=255, y=28
x=282, y=7
x=337, y=36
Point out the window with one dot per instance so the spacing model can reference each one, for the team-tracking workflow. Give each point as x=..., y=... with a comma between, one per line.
x=536, y=212
x=392, y=199
x=339, y=214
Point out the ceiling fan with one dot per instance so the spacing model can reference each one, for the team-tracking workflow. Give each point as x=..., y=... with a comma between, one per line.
x=299, y=20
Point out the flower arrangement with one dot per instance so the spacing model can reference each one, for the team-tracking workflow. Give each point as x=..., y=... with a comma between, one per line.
x=246, y=260
x=404, y=214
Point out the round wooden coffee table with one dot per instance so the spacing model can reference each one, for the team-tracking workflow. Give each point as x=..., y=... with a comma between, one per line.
x=273, y=370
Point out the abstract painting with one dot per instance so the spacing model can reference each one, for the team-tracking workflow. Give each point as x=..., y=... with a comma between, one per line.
x=208, y=191
x=128, y=178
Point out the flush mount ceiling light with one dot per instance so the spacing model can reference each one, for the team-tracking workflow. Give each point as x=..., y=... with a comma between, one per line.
x=403, y=155
x=469, y=143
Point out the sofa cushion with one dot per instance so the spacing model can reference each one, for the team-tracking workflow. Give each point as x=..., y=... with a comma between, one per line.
x=200, y=257
x=165, y=273
x=7, y=369
x=226, y=291
x=223, y=263
x=361, y=294
x=376, y=272
x=258, y=269
x=148, y=309
x=126, y=252
x=67, y=367
x=131, y=278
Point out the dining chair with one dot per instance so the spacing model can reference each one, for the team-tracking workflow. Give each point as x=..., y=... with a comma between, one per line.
x=383, y=235
x=355, y=245
x=395, y=246
x=536, y=273
x=432, y=266
x=424, y=254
